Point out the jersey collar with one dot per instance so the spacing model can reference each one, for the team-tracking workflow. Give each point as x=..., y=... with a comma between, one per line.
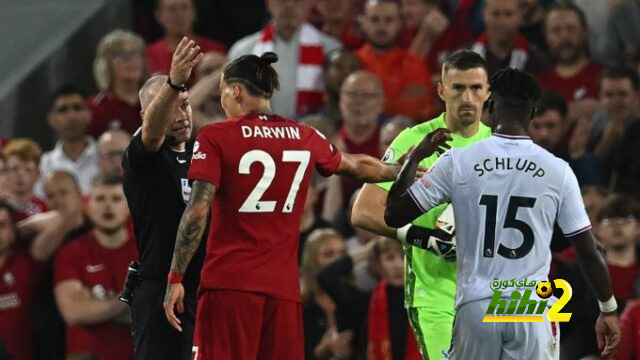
x=512, y=137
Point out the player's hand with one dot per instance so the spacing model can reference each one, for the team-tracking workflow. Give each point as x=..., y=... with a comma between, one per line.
x=172, y=299
x=185, y=58
x=421, y=169
x=608, y=333
x=435, y=141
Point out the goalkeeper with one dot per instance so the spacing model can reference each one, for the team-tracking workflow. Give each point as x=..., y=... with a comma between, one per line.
x=430, y=279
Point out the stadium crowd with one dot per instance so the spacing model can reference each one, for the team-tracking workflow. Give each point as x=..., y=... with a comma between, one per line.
x=360, y=72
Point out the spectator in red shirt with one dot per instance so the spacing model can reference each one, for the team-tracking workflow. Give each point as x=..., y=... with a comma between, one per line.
x=618, y=217
x=119, y=70
x=89, y=273
x=501, y=45
x=573, y=75
x=629, y=347
x=23, y=158
x=19, y=272
x=405, y=77
x=177, y=18
x=361, y=104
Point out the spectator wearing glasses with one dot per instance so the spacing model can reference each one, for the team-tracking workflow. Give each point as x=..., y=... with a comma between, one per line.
x=74, y=151
x=119, y=69
x=111, y=147
x=618, y=233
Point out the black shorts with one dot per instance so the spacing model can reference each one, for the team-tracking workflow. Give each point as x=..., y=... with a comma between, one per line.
x=153, y=336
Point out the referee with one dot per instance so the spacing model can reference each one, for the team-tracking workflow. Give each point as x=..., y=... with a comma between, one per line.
x=155, y=183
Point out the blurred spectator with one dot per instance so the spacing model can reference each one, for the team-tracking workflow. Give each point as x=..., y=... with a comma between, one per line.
x=337, y=20
x=405, y=77
x=64, y=222
x=390, y=130
x=310, y=221
x=338, y=64
x=205, y=94
x=74, y=151
x=593, y=196
x=547, y=129
x=623, y=33
x=365, y=272
x=573, y=75
x=390, y=337
x=4, y=175
x=177, y=18
x=111, y=147
x=501, y=45
x=618, y=232
x=89, y=274
x=351, y=303
x=19, y=272
x=318, y=310
x=23, y=157
x=620, y=98
x=301, y=49
x=430, y=33
x=361, y=103
x=532, y=13
x=119, y=70
x=629, y=347
x=625, y=162
x=596, y=13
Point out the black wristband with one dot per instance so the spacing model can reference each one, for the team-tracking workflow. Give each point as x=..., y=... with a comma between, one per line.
x=178, y=88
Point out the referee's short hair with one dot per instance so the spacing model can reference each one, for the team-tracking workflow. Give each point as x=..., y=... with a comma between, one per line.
x=108, y=180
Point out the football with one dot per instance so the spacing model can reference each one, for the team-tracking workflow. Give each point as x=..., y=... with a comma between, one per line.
x=444, y=245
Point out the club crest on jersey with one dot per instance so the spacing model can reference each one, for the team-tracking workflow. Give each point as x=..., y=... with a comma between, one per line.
x=388, y=155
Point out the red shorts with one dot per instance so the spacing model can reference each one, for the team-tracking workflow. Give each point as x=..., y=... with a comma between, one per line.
x=239, y=325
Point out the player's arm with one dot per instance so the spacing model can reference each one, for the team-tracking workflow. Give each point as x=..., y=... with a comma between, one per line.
x=595, y=270
x=368, y=211
x=158, y=116
x=366, y=168
x=401, y=208
x=190, y=230
x=78, y=307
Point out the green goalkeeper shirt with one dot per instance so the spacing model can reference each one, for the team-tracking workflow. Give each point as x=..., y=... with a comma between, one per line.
x=429, y=280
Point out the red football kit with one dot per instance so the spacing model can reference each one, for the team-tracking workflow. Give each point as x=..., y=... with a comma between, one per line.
x=103, y=271
x=260, y=165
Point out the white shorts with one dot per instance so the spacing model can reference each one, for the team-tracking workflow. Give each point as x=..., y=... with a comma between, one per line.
x=474, y=339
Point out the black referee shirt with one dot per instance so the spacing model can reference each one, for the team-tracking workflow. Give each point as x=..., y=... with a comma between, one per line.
x=157, y=191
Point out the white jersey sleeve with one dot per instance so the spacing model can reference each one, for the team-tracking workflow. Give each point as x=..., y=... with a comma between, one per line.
x=434, y=188
x=572, y=215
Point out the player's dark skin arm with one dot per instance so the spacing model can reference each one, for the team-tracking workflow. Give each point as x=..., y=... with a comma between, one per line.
x=595, y=270
x=401, y=209
x=192, y=225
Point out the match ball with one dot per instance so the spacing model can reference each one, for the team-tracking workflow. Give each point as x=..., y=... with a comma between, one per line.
x=544, y=289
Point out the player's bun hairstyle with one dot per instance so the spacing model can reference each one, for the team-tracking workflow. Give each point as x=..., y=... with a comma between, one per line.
x=514, y=88
x=255, y=72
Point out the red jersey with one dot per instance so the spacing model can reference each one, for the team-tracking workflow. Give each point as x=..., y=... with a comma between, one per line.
x=34, y=206
x=622, y=280
x=18, y=280
x=260, y=165
x=159, y=55
x=110, y=112
x=582, y=85
x=103, y=272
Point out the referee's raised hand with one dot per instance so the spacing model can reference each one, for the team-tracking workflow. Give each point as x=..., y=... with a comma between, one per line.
x=185, y=58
